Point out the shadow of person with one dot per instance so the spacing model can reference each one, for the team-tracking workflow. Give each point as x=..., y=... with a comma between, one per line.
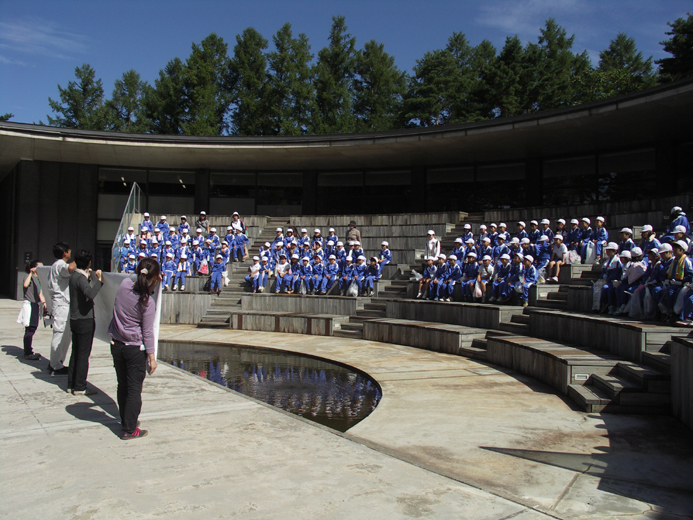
x=18, y=352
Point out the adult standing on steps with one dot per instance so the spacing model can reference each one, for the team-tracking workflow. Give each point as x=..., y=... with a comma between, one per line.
x=83, y=289
x=132, y=330
x=353, y=234
x=202, y=223
x=58, y=290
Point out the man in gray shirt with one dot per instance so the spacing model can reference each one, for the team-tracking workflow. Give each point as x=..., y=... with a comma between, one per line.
x=84, y=286
x=58, y=281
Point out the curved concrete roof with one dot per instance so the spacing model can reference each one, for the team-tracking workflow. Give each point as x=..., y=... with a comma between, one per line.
x=663, y=113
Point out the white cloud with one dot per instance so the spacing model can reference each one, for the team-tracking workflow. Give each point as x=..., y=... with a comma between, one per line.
x=40, y=38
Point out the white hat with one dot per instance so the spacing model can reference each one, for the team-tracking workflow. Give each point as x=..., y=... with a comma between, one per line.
x=169, y=254
x=679, y=229
x=612, y=245
x=304, y=259
x=126, y=241
x=515, y=240
x=625, y=253
x=143, y=242
x=304, y=230
x=198, y=230
x=585, y=219
x=163, y=217
x=183, y=217
x=349, y=258
x=441, y=255
x=545, y=221
x=664, y=248
x=223, y=242
x=265, y=259
x=385, y=243
x=682, y=244
x=502, y=224
x=132, y=257
x=357, y=243
x=524, y=241
x=282, y=256
x=543, y=237
x=501, y=236
x=505, y=256
x=153, y=255
x=294, y=256
x=155, y=241
x=560, y=221
x=574, y=221
x=340, y=243
x=374, y=258
x=646, y=227
x=600, y=219
x=280, y=243
x=144, y=228
x=202, y=213
x=330, y=242
x=196, y=242
x=486, y=257
x=486, y=239
x=213, y=230
x=289, y=230
x=131, y=228
x=492, y=225
x=171, y=229
x=235, y=213
x=185, y=241
x=208, y=240
x=316, y=230
x=157, y=230
x=534, y=222
x=361, y=257
x=521, y=223
x=219, y=256
x=183, y=255
x=168, y=242
x=267, y=244
x=636, y=251
x=654, y=251
x=228, y=228
x=431, y=232
x=279, y=229
x=332, y=257
x=142, y=255
x=452, y=257
x=471, y=253
x=466, y=226
x=331, y=230
x=558, y=237
x=627, y=230
x=470, y=241
x=458, y=240
x=482, y=226
x=256, y=258
x=520, y=256
x=146, y=214
x=530, y=258
x=676, y=208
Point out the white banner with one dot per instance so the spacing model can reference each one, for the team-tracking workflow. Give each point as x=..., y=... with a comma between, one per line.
x=104, y=301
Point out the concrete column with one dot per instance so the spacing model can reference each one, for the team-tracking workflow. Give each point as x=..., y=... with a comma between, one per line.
x=534, y=175
x=419, y=194
x=309, y=199
x=202, y=189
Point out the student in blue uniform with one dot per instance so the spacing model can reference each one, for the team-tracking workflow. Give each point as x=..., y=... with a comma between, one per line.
x=559, y=254
x=332, y=236
x=131, y=235
x=561, y=229
x=265, y=273
x=470, y=273
x=527, y=248
x=302, y=273
x=340, y=253
x=317, y=238
x=305, y=251
x=485, y=276
x=585, y=237
x=514, y=246
x=458, y=249
x=125, y=252
x=679, y=273
x=500, y=282
x=163, y=226
x=438, y=279
x=289, y=237
x=253, y=277
x=303, y=238
x=426, y=277
x=493, y=234
x=230, y=236
x=467, y=233
x=453, y=275
x=534, y=233
x=530, y=278
x=545, y=229
x=346, y=275
x=521, y=233
x=183, y=226
x=173, y=238
x=356, y=249
x=278, y=238
x=216, y=243
x=182, y=270
x=677, y=218
x=155, y=249
x=217, y=270
x=283, y=274
x=225, y=253
x=241, y=244
x=500, y=249
x=626, y=243
x=543, y=251
x=574, y=236
x=515, y=277
x=198, y=236
x=503, y=230
x=649, y=240
x=485, y=248
x=359, y=272
x=329, y=248
x=329, y=275
x=370, y=276
x=148, y=224
x=633, y=276
x=295, y=267
x=196, y=258
x=318, y=271
x=483, y=234
x=131, y=265
x=659, y=275
x=612, y=271
x=168, y=269
x=385, y=257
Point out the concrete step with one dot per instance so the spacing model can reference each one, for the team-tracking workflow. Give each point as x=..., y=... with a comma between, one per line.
x=224, y=302
x=647, y=378
x=659, y=361
x=374, y=306
x=613, y=385
x=515, y=328
x=370, y=314
x=479, y=343
x=589, y=398
x=558, y=296
x=353, y=326
x=520, y=318
x=212, y=311
x=552, y=304
x=352, y=334
x=473, y=352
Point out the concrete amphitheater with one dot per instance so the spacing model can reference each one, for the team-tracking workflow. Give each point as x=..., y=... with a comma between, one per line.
x=487, y=411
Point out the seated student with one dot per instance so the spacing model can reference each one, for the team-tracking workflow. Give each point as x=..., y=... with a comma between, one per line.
x=185, y=235
x=470, y=273
x=438, y=278
x=465, y=236
x=196, y=258
x=131, y=265
x=163, y=226
x=543, y=251
x=159, y=237
x=346, y=275
x=155, y=250
x=515, y=277
x=530, y=278
x=574, y=236
x=216, y=243
x=585, y=237
x=182, y=269
x=385, y=257
x=317, y=237
x=253, y=277
x=534, y=232
x=332, y=236
x=514, y=246
x=317, y=250
x=545, y=229
x=659, y=272
x=453, y=275
x=359, y=272
x=612, y=270
x=561, y=229
x=680, y=234
x=279, y=238
x=225, y=253
x=500, y=249
x=318, y=271
x=626, y=243
x=633, y=276
x=527, y=248
x=340, y=253
x=131, y=236
x=426, y=277
x=144, y=247
x=521, y=233
x=458, y=249
x=241, y=244
x=649, y=240
x=265, y=250
x=183, y=227
x=329, y=275
x=283, y=274
x=302, y=274
x=499, y=288
x=432, y=246
x=470, y=247
x=485, y=248
x=277, y=251
x=289, y=237
x=503, y=230
x=483, y=234
x=168, y=270
x=295, y=277
x=305, y=251
x=183, y=247
x=357, y=250
x=559, y=252
x=677, y=218
x=303, y=238
x=679, y=273
x=485, y=275
x=493, y=234
x=209, y=252
x=329, y=248
x=199, y=237
x=125, y=252
x=147, y=223
x=265, y=273
x=600, y=237
x=230, y=237
x=217, y=270
x=173, y=237
x=370, y=276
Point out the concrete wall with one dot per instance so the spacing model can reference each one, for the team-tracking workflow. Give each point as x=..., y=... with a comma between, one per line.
x=376, y=220
x=184, y=308
x=681, y=380
x=337, y=305
x=279, y=322
x=465, y=314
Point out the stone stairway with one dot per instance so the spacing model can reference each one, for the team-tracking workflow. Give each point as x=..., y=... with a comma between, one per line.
x=447, y=241
x=268, y=233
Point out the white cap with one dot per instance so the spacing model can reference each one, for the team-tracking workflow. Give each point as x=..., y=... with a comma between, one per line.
x=486, y=239
x=282, y=256
x=163, y=217
x=647, y=227
x=543, y=237
x=627, y=230
x=482, y=226
x=560, y=221
x=208, y=240
x=612, y=245
x=515, y=240
x=486, y=257
x=452, y=257
x=524, y=241
x=223, y=242
x=142, y=255
x=289, y=230
x=168, y=242
x=183, y=217
x=654, y=251
x=676, y=208
x=304, y=230
x=213, y=230
x=265, y=259
x=184, y=255
x=202, y=213
x=131, y=228
x=441, y=255
x=534, y=222
x=664, y=248
x=471, y=253
x=330, y=242
x=385, y=243
x=361, y=257
x=146, y=214
x=492, y=225
x=280, y=243
x=304, y=259
x=331, y=230
x=466, y=226
x=340, y=243
x=521, y=223
x=196, y=242
x=144, y=228
x=600, y=219
x=228, y=228
x=157, y=230
x=349, y=259
x=458, y=240
x=357, y=243
x=198, y=230
x=184, y=240
x=558, y=237
x=126, y=241
x=143, y=242
x=636, y=251
x=256, y=258
x=431, y=232
x=171, y=229
x=624, y=254
x=520, y=256
x=682, y=244
x=332, y=257
x=500, y=236
x=153, y=255
x=316, y=230
x=279, y=229
x=132, y=257
x=235, y=213
x=502, y=224
x=295, y=256
x=169, y=254
x=155, y=241
x=219, y=256
x=470, y=241
x=505, y=256
x=545, y=221
x=530, y=258
x=267, y=244
x=574, y=221
x=585, y=219
x=679, y=229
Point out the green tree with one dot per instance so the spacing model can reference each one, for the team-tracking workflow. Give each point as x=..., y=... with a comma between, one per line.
x=503, y=80
x=81, y=103
x=622, y=54
x=680, y=46
x=165, y=103
x=378, y=89
x=249, y=114
x=206, y=84
x=432, y=89
x=290, y=83
x=595, y=84
x=6, y=117
x=477, y=105
x=125, y=109
x=334, y=75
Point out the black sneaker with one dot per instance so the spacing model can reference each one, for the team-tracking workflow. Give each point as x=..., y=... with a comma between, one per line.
x=88, y=391
x=32, y=357
x=61, y=371
x=137, y=434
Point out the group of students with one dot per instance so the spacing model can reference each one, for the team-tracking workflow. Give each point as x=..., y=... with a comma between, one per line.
x=180, y=254
x=313, y=265
x=494, y=266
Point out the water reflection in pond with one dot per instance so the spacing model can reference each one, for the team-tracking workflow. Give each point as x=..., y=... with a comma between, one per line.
x=323, y=392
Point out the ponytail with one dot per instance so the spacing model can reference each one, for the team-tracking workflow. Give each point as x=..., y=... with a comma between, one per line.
x=147, y=270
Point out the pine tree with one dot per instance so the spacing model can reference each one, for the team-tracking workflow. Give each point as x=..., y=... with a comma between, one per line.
x=622, y=54
x=249, y=115
x=680, y=46
x=125, y=109
x=334, y=74
x=432, y=90
x=290, y=89
x=6, y=117
x=502, y=80
x=165, y=103
x=378, y=89
x=477, y=105
x=81, y=102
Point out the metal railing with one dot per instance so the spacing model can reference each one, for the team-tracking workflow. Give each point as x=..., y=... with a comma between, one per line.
x=132, y=216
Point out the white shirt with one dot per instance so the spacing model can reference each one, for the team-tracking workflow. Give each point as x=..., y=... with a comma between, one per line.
x=559, y=250
x=59, y=282
x=433, y=247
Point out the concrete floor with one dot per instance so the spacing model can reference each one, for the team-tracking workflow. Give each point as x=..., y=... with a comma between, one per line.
x=451, y=438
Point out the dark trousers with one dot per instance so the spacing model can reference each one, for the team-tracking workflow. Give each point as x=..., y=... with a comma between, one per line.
x=131, y=366
x=82, y=341
x=31, y=329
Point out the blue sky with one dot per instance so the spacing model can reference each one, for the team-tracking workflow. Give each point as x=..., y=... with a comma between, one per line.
x=41, y=42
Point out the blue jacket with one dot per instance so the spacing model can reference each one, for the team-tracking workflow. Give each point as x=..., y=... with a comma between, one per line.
x=515, y=271
x=359, y=270
x=218, y=267
x=530, y=274
x=163, y=227
x=600, y=235
x=534, y=235
x=170, y=266
x=371, y=270
x=502, y=270
x=147, y=224
x=454, y=272
x=331, y=269
x=183, y=226
x=386, y=254
x=626, y=246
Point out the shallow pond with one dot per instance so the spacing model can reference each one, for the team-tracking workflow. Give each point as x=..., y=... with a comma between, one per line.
x=324, y=392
